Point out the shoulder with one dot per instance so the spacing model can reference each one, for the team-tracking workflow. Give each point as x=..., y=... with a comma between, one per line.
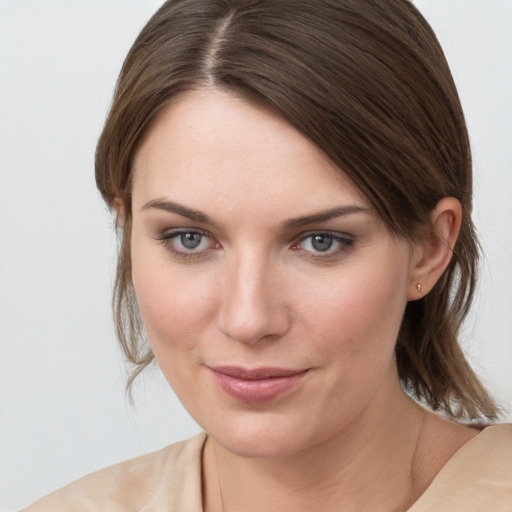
x=171, y=475
x=477, y=477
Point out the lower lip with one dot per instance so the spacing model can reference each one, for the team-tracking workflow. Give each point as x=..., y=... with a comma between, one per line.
x=256, y=391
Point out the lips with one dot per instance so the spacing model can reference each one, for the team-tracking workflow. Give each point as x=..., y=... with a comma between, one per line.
x=258, y=385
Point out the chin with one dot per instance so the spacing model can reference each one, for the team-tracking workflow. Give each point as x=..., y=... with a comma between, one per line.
x=260, y=437
x=257, y=447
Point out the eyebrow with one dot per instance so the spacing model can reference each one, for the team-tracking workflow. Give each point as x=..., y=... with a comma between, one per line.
x=184, y=211
x=331, y=213
x=198, y=216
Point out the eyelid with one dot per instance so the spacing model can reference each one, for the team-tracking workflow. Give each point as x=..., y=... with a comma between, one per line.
x=326, y=232
x=168, y=234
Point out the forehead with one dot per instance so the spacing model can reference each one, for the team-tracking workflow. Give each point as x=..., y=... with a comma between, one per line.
x=211, y=146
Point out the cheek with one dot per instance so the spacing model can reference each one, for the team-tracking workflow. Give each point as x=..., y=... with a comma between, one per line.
x=173, y=305
x=359, y=312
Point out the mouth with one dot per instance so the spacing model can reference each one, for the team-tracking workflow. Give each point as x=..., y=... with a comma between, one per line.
x=258, y=385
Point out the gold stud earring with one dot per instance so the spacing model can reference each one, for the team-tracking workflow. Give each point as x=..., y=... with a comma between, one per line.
x=418, y=287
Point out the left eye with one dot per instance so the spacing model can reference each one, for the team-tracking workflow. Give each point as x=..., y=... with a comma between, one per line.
x=324, y=243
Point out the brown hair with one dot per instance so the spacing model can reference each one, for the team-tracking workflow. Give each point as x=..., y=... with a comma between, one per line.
x=368, y=83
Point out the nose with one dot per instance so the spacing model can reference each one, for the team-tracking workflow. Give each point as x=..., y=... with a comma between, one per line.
x=252, y=306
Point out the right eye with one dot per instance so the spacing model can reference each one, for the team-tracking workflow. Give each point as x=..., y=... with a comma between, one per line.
x=187, y=243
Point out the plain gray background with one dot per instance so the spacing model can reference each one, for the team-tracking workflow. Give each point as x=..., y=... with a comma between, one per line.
x=62, y=406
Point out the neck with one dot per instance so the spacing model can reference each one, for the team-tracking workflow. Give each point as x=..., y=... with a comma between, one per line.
x=371, y=465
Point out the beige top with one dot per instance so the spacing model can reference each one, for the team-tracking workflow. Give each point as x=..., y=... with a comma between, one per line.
x=477, y=478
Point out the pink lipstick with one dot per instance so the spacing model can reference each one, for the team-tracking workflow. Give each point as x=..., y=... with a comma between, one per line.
x=256, y=386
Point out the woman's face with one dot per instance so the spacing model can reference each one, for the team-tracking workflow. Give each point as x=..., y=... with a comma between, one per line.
x=271, y=292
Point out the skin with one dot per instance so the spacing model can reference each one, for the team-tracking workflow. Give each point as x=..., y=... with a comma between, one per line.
x=257, y=292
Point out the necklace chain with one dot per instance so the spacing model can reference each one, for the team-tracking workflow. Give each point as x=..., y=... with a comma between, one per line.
x=218, y=477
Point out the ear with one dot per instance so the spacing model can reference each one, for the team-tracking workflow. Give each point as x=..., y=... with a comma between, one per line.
x=433, y=253
x=118, y=206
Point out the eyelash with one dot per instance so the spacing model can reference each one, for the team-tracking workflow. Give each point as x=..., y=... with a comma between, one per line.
x=345, y=241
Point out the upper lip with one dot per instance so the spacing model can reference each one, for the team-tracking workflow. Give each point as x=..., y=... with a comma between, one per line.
x=256, y=373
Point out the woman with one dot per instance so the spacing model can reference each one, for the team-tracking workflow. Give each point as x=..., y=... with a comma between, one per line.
x=293, y=183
